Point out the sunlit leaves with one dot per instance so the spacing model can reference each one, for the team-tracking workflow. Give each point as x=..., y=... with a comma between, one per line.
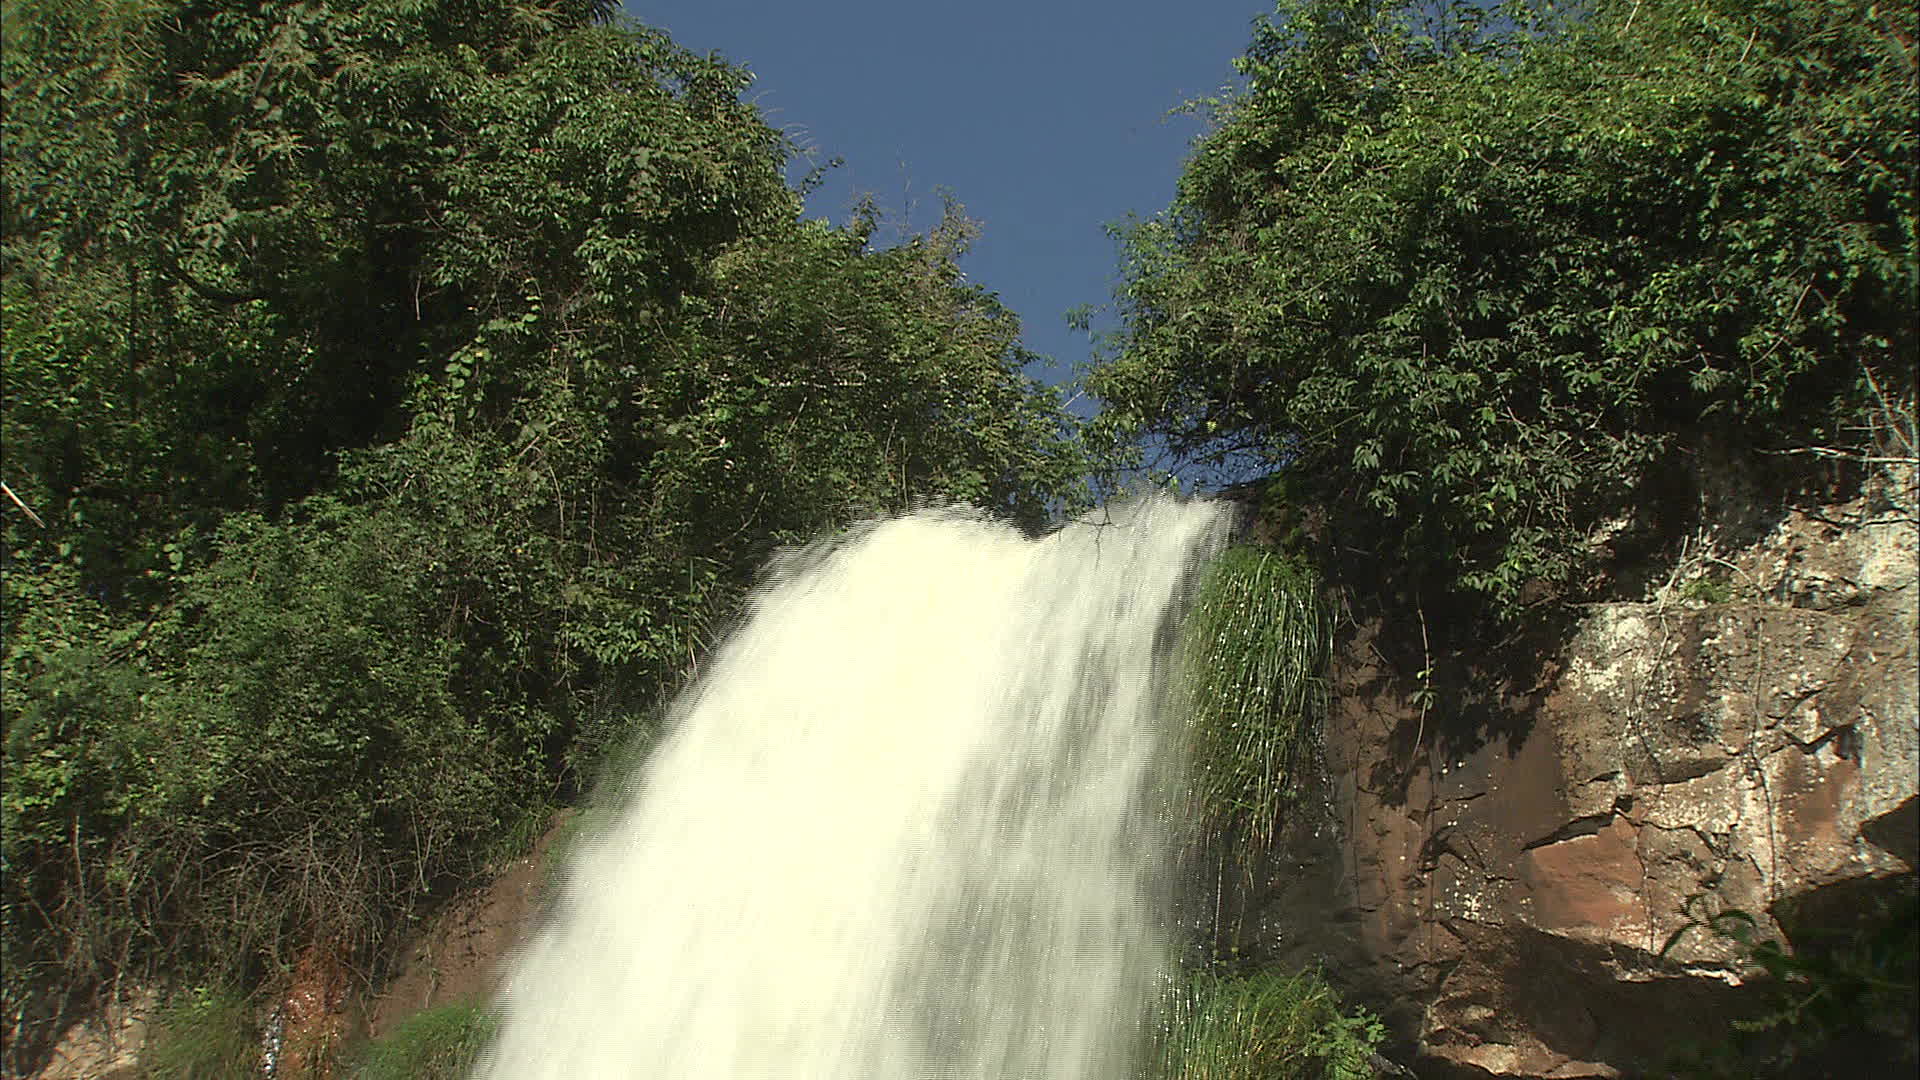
x=1476, y=276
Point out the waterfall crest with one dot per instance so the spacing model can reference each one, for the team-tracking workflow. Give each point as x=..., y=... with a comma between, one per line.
x=900, y=830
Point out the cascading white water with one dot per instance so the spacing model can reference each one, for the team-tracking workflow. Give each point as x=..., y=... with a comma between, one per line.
x=901, y=829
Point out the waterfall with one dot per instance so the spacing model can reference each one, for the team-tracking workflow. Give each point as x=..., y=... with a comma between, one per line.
x=902, y=829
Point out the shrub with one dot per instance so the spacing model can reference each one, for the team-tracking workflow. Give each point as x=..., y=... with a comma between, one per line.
x=1266, y=1026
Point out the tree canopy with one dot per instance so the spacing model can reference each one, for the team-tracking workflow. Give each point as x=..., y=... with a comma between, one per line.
x=1472, y=277
x=400, y=388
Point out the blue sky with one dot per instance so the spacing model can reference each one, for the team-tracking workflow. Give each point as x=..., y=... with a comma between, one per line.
x=1047, y=119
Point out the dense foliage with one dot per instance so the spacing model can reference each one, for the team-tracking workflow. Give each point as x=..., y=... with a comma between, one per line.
x=394, y=393
x=1473, y=275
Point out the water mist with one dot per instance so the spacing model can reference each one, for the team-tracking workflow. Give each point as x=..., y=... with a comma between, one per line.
x=902, y=829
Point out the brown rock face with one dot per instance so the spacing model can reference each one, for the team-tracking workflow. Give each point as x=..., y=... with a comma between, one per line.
x=461, y=956
x=1503, y=888
x=310, y=1018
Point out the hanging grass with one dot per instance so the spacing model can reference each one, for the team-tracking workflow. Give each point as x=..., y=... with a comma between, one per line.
x=1266, y=1026
x=1252, y=666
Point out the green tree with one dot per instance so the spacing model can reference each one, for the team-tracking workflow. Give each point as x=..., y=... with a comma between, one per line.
x=1474, y=280
x=404, y=388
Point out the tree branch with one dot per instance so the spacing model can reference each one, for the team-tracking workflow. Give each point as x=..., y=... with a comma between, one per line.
x=23, y=506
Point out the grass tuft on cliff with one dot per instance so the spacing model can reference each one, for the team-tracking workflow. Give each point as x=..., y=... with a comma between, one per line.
x=1251, y=664
x=1266, y=1026
x=205, y=1034
x=434, y=1044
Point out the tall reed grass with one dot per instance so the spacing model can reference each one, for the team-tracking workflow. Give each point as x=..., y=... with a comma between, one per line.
x=1265, y=1025
x=1252, y=663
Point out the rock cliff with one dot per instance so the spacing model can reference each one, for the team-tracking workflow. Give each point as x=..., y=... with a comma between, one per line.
x=1501, y=870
